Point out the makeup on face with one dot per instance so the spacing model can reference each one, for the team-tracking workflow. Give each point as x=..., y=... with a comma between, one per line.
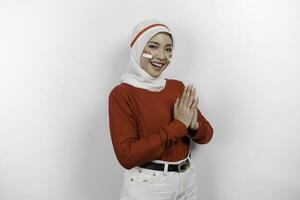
x=148, y=54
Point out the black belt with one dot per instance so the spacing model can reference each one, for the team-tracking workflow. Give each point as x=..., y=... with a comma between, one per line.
x=181, y=167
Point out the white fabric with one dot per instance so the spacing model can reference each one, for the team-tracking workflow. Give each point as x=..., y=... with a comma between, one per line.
x=135, y=75
x=146, y=184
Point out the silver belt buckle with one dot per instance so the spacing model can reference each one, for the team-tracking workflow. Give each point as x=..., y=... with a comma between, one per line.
x=182, y=167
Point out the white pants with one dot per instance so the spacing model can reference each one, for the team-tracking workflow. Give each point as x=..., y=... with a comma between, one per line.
x=146, y=184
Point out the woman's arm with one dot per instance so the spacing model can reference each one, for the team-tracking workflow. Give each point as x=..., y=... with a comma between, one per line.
x=205, y=131
x=129, y=148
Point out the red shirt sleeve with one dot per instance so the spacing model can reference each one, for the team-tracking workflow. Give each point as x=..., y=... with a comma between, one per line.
x=205, y=131
x=129, y=148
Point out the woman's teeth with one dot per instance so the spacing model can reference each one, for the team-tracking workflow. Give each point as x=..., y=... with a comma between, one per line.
x=157, y=64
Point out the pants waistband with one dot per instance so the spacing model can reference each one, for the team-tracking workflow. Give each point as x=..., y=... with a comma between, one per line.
x=173, y=163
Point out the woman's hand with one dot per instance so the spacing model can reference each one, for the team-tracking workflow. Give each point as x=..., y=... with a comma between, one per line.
x=185, y=107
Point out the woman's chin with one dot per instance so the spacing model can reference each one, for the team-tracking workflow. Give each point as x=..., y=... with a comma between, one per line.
x=156, y=73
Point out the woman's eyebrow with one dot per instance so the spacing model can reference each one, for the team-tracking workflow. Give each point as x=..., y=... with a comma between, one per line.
x=159, y=44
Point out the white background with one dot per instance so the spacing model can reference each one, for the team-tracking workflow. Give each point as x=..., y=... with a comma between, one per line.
x=60, y=59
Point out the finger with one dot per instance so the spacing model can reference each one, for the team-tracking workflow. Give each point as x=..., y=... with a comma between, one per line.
x=191, y=98
x=182, y=97
x=186, y=96
x=195, y=103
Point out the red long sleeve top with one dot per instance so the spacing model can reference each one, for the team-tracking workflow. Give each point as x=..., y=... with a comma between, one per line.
x=143, y=128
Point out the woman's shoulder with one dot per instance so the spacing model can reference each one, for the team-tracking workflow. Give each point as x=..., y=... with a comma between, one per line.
x=120, y=90
x=176, y=83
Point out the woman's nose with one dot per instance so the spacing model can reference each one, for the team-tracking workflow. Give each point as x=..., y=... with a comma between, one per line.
x=161, y=54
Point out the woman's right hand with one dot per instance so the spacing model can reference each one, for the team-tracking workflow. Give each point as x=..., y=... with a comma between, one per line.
x=185, y=106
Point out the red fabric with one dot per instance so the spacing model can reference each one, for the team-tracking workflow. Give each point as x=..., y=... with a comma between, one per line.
x=143, y=128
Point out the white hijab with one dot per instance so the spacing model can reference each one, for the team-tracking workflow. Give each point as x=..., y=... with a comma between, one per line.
x=135, y=75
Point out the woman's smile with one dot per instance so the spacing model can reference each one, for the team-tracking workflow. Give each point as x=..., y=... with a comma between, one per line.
x=157, y=66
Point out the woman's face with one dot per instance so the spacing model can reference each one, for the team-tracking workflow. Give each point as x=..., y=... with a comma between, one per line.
x=160, y=47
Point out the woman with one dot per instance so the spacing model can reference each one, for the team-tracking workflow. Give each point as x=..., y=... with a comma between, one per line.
x=152, y=119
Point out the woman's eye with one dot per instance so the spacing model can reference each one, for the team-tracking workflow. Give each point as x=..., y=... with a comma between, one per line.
x=152, y=46
x=169, y=49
